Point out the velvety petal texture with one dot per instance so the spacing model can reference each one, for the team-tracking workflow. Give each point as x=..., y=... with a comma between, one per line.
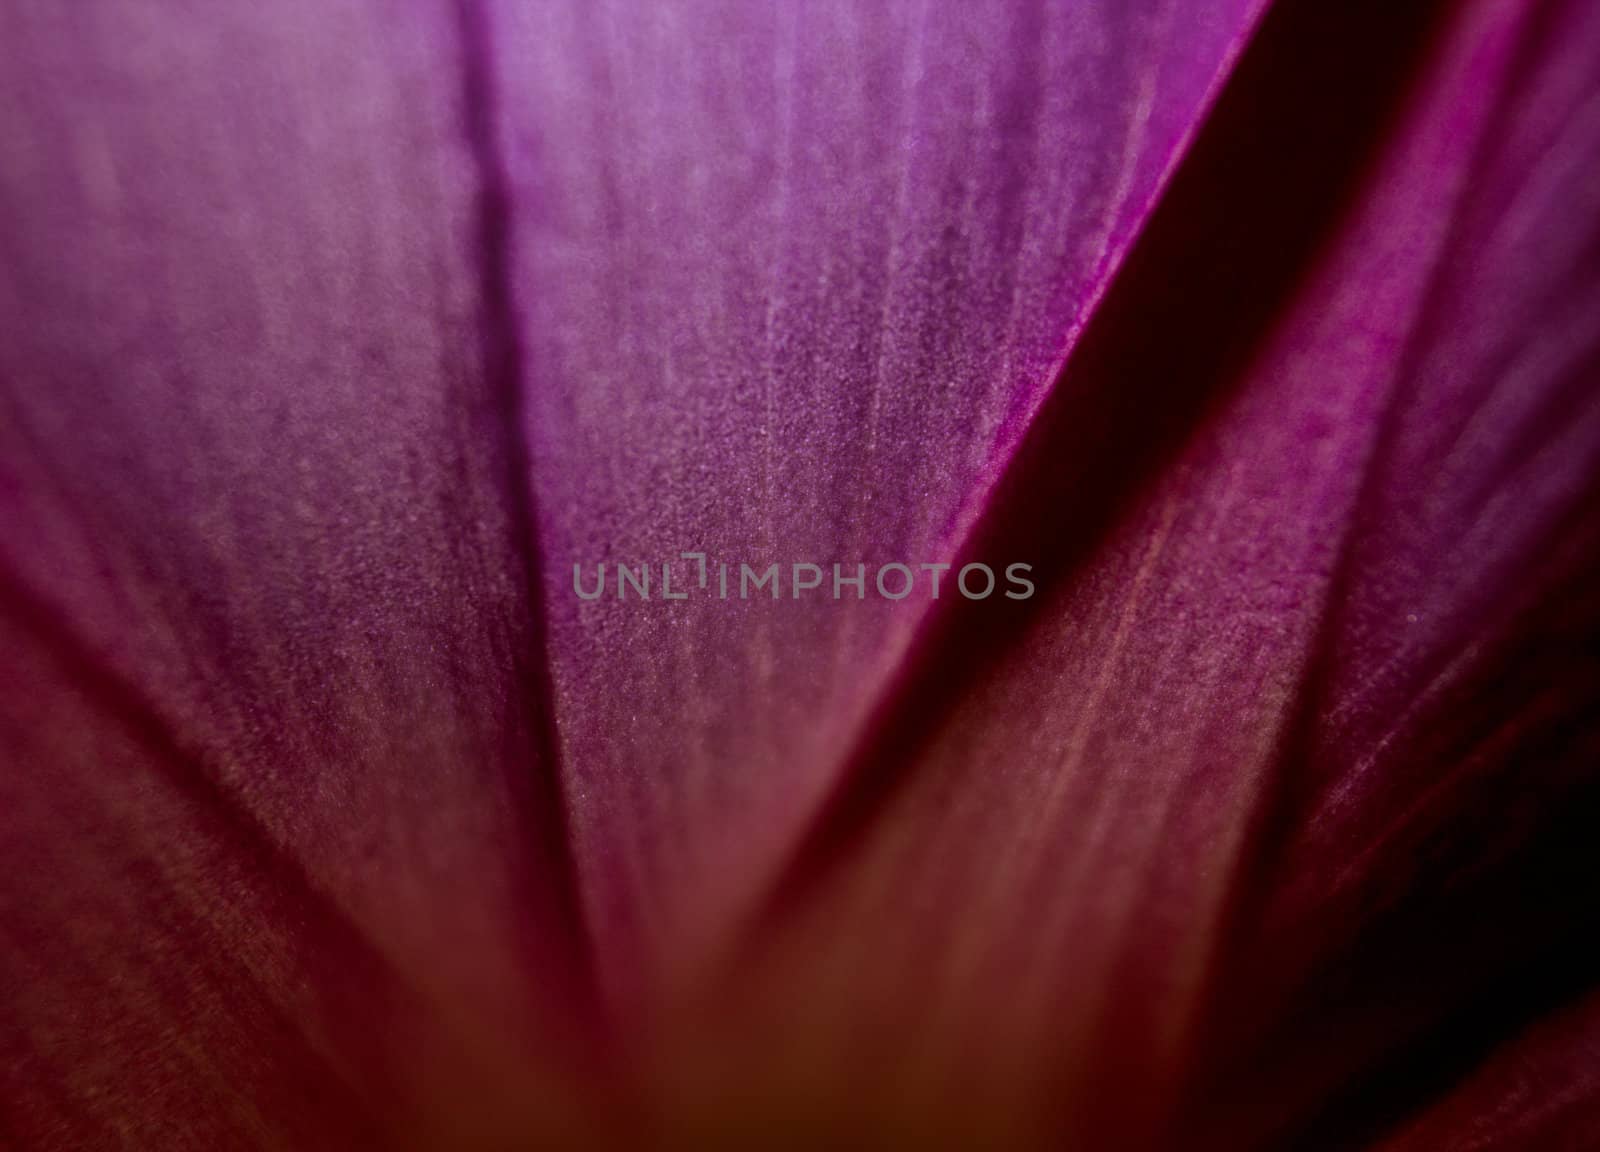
x=1292, y=767
x=342, y=343
x=792, y=280
x=272, y=708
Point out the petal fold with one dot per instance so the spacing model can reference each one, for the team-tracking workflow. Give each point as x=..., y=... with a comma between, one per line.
x=794, y=279
x=283, y=807
x=1302, y=720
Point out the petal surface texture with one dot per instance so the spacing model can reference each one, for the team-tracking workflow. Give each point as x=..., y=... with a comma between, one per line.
x=793, y=279
x=1290, y=769
x=274, y=802
x=334, y=336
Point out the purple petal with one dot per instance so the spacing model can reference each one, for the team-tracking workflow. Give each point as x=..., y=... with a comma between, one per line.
x=271, y=727
x=793, y=279
x=331, y=341
x=1286, y=773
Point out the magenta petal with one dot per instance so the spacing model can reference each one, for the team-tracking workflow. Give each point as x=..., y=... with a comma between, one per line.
x=333, y=334
x=1439, y=791
x=1246, y=805
x=270, y=742
x=793, y=278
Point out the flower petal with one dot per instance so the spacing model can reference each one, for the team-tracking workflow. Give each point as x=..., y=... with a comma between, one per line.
x=1539, y=1092
x=793, y=279
x=1156, y=831
x=256, y=492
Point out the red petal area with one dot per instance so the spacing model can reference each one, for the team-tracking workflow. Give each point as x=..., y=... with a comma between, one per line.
x=1536, y=1095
